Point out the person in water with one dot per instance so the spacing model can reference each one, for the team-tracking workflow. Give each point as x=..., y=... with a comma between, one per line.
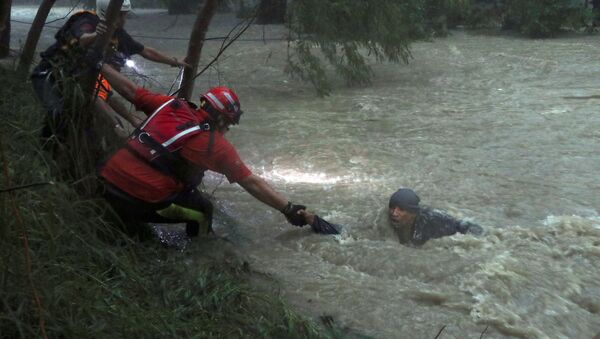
x=415, y=225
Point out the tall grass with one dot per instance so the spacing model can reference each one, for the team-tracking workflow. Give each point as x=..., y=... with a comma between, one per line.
x=66, y=270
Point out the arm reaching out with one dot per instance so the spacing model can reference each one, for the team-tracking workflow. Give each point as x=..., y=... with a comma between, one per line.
x=262, y=191
x=119, y=82
x=156, y=56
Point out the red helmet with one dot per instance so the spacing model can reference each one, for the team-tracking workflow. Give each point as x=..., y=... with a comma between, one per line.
x=224, y=101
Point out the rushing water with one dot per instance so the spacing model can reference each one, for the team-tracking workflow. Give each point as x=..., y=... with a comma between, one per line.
x=476, y=124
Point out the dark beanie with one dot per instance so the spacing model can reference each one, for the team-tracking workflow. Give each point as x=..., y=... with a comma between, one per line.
x=406, y=199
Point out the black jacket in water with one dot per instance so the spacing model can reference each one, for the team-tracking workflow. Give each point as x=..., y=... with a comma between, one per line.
x=432, y=224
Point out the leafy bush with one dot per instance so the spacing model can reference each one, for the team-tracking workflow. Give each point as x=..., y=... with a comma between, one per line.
x=443, y=14
x=544, y=18
x=345, y=32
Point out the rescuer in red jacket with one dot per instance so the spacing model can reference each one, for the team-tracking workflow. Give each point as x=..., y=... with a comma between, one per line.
x=153, y=178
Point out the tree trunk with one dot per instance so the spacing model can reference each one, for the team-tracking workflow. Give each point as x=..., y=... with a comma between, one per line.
x=34, y=35
x=5, y=7
x=271, y=12
x=195, y=47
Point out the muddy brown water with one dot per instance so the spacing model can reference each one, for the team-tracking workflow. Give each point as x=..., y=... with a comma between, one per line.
x=476, y=124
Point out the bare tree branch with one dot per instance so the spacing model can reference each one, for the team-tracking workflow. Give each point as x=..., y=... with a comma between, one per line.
x=5, y=7
x=195, y=46
x=227, y=41
x=34, y=36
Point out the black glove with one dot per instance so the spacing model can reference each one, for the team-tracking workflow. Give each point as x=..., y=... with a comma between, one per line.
x=291, y=214
x=323, y=226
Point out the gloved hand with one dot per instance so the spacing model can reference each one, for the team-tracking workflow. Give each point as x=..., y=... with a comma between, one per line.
x=291, y=214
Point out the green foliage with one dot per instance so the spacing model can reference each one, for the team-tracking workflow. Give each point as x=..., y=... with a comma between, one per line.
x=346, y=33
x=478, y=14
x=77, y=146
x=471, y=13
x=440, y=14
x=534, y=18
x=544, y=18
x=443, y=14
x=95, y=282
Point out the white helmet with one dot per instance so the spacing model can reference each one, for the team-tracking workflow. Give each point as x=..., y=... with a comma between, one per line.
x=102, y=6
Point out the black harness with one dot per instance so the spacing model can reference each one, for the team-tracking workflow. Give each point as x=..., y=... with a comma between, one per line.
x=171, y=163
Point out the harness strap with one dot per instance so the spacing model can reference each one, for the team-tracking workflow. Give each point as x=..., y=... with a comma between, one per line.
x=211, y=142
x=157, y=165
x=156, y=112
x=167, y=162
x=164, y=160
x=201, y=127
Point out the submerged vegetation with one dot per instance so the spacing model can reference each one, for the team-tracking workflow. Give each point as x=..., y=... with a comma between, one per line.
x=68, y=271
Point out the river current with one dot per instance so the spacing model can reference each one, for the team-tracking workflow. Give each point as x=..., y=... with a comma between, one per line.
x=477, y=124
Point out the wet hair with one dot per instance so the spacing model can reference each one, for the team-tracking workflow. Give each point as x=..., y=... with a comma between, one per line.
x=406, y=199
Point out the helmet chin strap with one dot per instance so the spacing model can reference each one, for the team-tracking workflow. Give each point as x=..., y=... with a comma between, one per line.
x=218, y=121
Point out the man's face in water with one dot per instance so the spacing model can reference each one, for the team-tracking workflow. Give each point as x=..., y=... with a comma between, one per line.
x=401, y=217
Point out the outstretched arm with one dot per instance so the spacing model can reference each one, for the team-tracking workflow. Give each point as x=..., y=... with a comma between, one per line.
x=119, y=107
x=156, y=56
x=119, y=82
x=469, y=227
x=439, y=224
x=262, y=191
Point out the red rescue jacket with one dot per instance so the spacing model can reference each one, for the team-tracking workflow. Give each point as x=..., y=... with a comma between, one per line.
x=160, y=137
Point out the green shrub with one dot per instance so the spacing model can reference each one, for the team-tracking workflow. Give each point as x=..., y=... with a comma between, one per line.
x=544, y=18
x=345, y=33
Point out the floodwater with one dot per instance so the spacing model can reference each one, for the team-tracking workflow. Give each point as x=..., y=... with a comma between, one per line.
x=476, y=124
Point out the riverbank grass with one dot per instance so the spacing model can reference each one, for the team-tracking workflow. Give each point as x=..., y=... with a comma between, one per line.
x=68, y=272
